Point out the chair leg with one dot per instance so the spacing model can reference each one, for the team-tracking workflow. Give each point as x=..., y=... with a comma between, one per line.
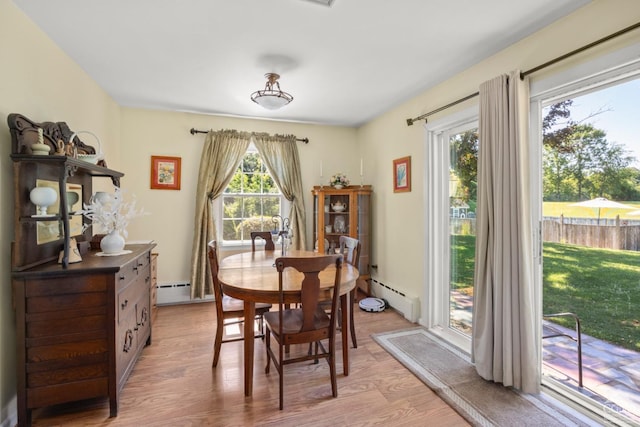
x=281, y=374
x=218, y=341
x=268, y=346
x=261, y=326
x=351, y=324
x=332, y=368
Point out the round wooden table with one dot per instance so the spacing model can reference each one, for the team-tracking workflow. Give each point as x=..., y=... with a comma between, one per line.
x=252, y=277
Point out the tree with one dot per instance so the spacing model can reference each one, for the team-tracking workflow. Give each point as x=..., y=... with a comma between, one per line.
x=613, y=171
x=464, y=147
x=557, y=181
x=579, y=162
x=557, y=126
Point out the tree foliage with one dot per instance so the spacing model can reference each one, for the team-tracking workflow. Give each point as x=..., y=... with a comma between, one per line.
x=580, y=163
x=464, y=155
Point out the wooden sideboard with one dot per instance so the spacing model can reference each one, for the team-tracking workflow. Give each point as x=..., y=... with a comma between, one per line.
x=81, y=329
x=154, y=286
x=80, y=326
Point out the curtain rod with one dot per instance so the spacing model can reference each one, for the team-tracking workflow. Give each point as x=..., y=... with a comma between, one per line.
x=193, y=131
x=532, y=70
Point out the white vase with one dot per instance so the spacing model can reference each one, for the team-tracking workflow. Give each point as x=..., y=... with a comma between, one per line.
x=338, y=187
x=112, y=243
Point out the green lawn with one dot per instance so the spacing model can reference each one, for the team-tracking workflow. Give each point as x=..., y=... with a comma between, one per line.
x=601, y=286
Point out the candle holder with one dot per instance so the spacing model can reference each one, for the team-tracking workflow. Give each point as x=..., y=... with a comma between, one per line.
x=284, y=233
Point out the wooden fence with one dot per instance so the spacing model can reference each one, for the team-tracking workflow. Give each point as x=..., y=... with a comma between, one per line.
x=606, y=234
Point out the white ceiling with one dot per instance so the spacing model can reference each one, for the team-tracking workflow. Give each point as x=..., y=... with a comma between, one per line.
x=344, y=64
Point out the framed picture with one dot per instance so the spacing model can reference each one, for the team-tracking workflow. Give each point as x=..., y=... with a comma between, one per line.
x=165, y=173
x=402, y=174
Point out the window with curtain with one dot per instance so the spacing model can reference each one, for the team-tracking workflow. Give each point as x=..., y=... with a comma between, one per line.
x=463, y=180
x=250, y=200
x=451, y=159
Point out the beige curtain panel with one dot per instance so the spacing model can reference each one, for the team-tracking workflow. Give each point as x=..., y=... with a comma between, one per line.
x=222, y=153
x=505, y=346
x=280, y=155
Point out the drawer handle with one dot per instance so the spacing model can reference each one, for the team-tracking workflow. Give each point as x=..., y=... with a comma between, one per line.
x=128, y=341
x=121, y=277
x=124, y=304
x=135, y=268
x=143, y=317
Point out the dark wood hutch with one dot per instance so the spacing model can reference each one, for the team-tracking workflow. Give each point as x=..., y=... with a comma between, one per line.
x=80, y=326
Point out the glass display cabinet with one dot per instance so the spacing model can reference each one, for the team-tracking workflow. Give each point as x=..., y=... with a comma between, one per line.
x=344, y=212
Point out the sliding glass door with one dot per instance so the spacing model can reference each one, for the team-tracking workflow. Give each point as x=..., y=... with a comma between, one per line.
x=590, y=244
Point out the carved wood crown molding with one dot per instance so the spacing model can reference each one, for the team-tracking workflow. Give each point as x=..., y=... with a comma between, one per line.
x=24, y=133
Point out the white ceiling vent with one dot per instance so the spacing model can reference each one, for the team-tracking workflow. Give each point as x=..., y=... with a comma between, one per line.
x=327, y=3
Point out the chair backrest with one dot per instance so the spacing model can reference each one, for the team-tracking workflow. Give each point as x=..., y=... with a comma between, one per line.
x=350, y=250
x=214, y=267
x=266, y=235
x=310, y=290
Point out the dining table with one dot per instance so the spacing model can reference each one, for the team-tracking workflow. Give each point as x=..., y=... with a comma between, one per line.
x=252, y=277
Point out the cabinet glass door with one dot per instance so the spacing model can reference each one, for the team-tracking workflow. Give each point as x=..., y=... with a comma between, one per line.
x=51, y=231
x=364, y=232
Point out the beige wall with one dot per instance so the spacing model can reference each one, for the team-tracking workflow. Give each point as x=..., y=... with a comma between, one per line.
x=170, y=224
x=38, y=80
x=41, y=82
x=399, y=232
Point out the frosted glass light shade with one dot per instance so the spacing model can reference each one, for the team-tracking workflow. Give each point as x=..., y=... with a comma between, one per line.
x=271, y=101
x=271, y=97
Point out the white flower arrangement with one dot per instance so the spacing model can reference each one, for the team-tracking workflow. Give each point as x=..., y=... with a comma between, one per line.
x=111, y=212
x=339, y=179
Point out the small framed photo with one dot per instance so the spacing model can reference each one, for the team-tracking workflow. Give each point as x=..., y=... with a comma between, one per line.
x=402, y=174
x=165, y=173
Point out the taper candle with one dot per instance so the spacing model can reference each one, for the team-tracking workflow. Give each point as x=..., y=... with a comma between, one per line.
x=361, y=167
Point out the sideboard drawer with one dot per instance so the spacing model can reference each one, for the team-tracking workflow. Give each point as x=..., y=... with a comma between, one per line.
x=128, y=297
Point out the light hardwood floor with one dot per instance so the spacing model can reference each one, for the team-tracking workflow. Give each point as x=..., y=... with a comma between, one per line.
x=173, y=384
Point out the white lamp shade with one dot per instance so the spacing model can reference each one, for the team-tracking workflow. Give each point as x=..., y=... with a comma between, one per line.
x=271, y=101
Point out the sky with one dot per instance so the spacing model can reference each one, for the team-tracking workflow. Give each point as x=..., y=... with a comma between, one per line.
x=621, y=121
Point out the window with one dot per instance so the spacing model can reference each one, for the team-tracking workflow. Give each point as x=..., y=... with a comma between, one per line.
x=451, y=159
x=463, y=180
x=250, y=200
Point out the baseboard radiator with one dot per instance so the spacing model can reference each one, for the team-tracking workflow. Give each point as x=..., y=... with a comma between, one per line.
x=177, y=293
x=408, y=305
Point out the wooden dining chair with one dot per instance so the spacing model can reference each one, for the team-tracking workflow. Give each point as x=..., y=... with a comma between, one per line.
x=266, y=235
x=307, y=324
x=229, y=311
x=350, y=250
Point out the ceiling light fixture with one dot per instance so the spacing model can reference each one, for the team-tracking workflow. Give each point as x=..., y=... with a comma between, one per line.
x=323, y=2
x=271, y=97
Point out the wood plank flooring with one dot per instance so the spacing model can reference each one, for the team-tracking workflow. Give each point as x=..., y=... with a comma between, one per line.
x=173, y=384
